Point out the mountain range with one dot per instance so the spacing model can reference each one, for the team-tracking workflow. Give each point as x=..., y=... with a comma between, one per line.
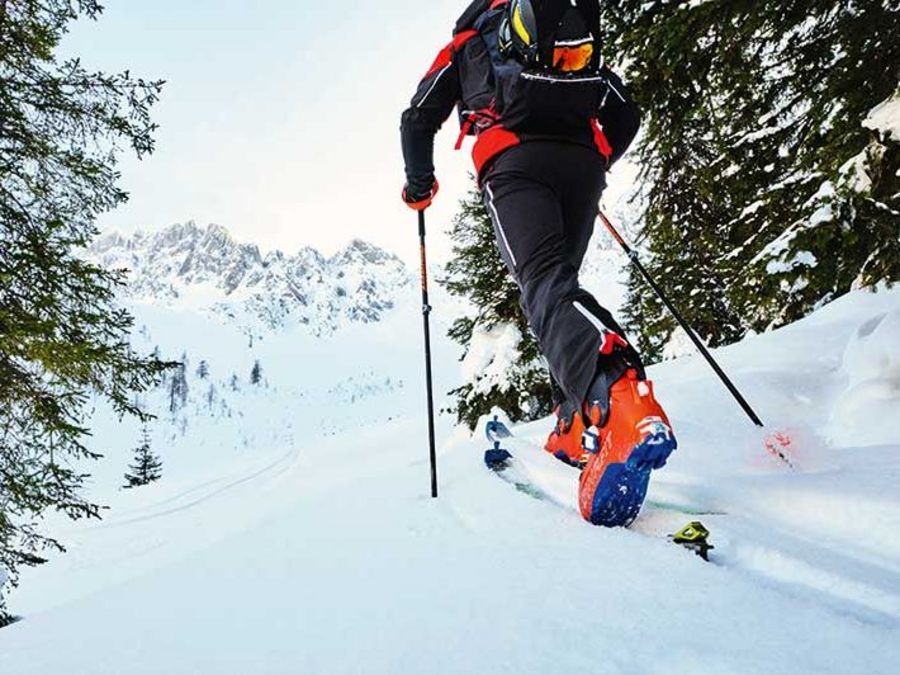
x=206, y=269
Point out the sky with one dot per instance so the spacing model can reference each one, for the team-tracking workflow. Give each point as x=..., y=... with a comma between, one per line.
x=280, y=118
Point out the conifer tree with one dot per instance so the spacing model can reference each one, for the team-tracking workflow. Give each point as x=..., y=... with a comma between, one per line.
x=62, y=339
x=147, y=466
x=812, y=234
x=256, y=373
x=753, y=119
x=203, y=370
x=178, y=386
x=521, y=387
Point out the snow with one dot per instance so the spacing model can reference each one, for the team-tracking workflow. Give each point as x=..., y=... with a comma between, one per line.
x=775, y=250
x=800, y=259
x=679, y=345
x=823, y=214
x=318, y=550
x=779, y=245
x=750, y=210
x=885, y=118
x=855, y=172
x=492, y=354
x=871, y=366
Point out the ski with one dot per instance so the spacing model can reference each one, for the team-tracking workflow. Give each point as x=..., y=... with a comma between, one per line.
x=694, y=536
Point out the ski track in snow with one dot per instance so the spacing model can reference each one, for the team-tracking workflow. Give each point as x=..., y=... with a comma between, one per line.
x=793, y=564
x=328, y=556
x=283, y=462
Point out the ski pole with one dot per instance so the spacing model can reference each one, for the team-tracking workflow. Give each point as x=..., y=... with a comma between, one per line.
x=426, y=311
x=631, y=253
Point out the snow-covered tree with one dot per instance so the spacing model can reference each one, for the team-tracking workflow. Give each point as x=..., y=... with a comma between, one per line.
x=502, y=361
x=147, y=467
x=203, y=370
x=766, y=193
x=178, y=386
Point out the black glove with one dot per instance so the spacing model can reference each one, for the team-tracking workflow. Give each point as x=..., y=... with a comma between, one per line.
x=418, y=194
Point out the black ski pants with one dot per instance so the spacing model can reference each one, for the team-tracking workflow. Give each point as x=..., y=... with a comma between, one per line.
x=543, y=197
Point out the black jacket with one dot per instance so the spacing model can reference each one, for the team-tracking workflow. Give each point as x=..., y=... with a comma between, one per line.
x=504, y=104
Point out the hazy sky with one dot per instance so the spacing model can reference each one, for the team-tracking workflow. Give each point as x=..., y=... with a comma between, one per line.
x=280, y=118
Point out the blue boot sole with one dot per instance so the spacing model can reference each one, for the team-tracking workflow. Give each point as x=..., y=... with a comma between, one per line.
x=623, y=487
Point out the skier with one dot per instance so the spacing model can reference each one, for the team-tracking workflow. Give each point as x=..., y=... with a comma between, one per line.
x=550, y=118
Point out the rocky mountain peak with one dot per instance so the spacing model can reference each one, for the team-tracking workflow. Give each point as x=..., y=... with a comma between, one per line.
x=208, y=270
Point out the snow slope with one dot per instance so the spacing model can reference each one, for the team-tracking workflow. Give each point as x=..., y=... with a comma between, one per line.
x=323, y=553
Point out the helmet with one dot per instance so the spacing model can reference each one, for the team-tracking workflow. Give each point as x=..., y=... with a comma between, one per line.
x=551, y=33
x=522, y=28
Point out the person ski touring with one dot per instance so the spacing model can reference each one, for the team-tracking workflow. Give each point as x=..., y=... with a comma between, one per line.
x=549, y=119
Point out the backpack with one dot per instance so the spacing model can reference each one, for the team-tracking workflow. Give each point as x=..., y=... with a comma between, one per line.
x=506, y=102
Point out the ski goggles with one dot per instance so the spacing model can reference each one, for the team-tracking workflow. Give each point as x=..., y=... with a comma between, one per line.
x=570, y=58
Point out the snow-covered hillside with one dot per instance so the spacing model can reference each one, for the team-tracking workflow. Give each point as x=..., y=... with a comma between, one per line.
x=186, y=267
x=318, y=553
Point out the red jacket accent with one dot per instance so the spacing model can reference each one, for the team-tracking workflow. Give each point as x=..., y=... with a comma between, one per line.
x=600, y=140
x=490, y=143
x=445, y=57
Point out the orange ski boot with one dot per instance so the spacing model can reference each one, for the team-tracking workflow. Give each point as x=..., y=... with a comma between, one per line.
x=623, y=450
x=565, y=441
